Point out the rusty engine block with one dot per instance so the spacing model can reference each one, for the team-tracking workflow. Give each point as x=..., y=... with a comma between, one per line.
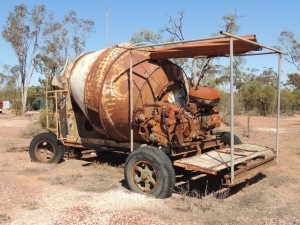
x=184, y=125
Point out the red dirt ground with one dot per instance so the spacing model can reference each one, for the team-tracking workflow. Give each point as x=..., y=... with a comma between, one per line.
x=75, y=192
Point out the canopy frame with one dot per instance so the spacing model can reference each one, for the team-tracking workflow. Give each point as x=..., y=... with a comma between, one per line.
x=231, y=56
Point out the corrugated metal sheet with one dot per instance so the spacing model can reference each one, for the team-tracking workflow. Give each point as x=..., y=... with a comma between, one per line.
x=209, y=48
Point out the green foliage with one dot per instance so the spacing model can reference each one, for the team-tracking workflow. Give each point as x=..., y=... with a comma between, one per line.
x=260, y=96
x=288, y=101
x=249, y=94
x=266, y=99
x=268, y=76
x=35, y=93
x=294, y=81
x=224, y=106
x=9, y=90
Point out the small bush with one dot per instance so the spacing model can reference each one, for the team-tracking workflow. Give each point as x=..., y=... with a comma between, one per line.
x=31, y=131
x=9, y=145
x=32, y=205
x=43, y=119
x=194, y=201
x=4, y=218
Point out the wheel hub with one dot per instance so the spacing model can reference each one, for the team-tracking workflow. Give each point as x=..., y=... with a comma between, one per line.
x=145, y=177
x=44, y=151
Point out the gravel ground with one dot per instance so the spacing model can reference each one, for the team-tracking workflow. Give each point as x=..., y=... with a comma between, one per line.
x=73, y=193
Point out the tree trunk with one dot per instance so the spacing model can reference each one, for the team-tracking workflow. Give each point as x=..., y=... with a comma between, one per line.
x=24, y=97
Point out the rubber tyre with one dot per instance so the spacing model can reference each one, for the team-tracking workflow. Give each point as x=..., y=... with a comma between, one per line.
x=160, y=162
x=226, y=139
x=49, y=141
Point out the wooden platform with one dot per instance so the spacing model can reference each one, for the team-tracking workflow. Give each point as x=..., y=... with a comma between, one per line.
x=213, y=161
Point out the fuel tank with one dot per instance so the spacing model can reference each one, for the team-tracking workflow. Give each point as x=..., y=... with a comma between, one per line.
x=205, y=96
x=99, y=84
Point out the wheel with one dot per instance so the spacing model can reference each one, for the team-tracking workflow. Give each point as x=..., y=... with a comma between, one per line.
x=149, y=171
x=226, y=139
x=45, y=148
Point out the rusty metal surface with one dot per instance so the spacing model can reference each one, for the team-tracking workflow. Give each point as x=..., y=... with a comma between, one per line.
x=99, y=85
x=209, y=48
x=205, y=96
x=217, y=160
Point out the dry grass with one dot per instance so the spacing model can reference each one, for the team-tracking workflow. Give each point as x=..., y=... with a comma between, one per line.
x=31, y=131
x=10, y=146
x=191, y=201
x=32, y=171
x=277, y=180
x=31, y=205
x=42, y=120
x=99, y=165
x=4, y=218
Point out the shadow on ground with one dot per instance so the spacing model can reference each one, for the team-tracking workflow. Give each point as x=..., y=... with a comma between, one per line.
x=195, y=183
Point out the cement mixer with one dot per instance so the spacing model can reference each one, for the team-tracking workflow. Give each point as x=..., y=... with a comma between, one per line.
x=129, y=99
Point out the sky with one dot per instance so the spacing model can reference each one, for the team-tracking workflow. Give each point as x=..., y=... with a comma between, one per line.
x=266, y=19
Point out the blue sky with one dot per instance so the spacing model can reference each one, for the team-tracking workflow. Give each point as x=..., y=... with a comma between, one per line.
x=266, y=19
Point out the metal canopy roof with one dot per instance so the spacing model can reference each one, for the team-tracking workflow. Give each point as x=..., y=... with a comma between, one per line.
x=207, y=48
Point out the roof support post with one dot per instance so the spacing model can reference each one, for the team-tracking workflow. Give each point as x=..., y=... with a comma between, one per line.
x=278, y=105
x=131, y=102
x=231, y=114
x=194, y=71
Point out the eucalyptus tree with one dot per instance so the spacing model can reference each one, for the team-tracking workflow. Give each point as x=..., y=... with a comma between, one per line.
x=40, y=43
x=23, y=32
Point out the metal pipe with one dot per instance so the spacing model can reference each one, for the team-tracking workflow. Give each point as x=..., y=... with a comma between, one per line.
x=278, y=105
x=194, y=71
x=131, y=102
x=252, y=42
x=56, y=116
x=255, y=54
x=167, y=129
x=172, y=43
x=231, y=114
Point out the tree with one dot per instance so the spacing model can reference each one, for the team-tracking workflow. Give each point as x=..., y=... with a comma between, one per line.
x=249, y=93
x=240, y=75
x=40, y=43
x=62, y=41
x=268, y=76
x=146, y=36
x=294, y=81
x=22, y=32
x=33, y=93
x=289, y=43
x=9, y=89
x=288, y=101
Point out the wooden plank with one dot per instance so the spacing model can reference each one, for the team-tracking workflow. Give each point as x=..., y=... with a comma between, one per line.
x=213, y=161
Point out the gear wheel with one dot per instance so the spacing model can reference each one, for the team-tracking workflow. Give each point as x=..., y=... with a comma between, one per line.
x=135, y=116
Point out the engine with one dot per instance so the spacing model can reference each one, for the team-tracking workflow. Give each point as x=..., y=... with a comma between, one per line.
x=179, y=126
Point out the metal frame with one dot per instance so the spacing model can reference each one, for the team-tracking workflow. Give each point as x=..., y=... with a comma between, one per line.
x=231, y=55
